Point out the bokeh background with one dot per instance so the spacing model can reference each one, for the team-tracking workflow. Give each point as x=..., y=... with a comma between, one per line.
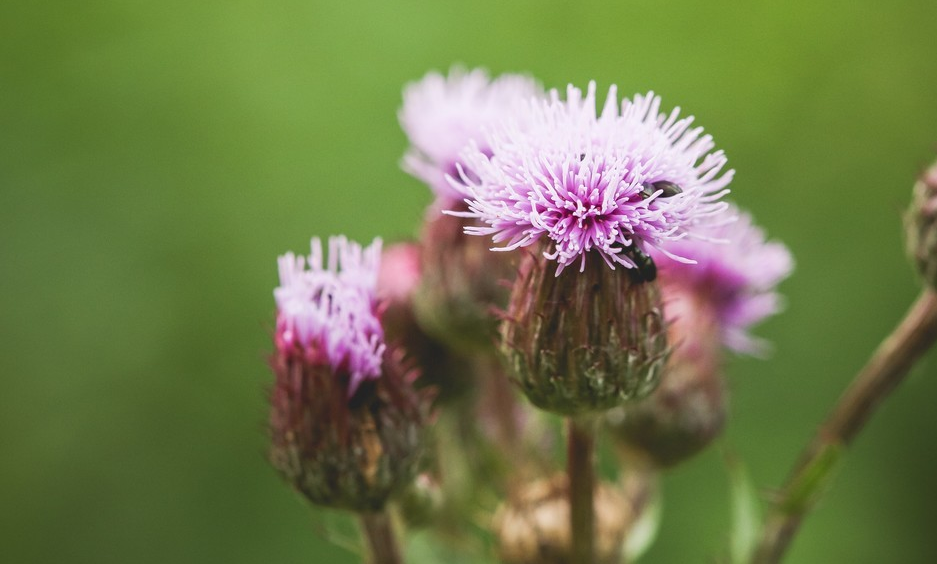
x=156, y=157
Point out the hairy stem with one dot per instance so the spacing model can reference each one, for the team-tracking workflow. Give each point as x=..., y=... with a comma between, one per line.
x=382, y=540
x=580, y=465
x=812, y=473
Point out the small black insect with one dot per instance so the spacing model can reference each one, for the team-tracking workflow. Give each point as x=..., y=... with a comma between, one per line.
x=646, y=270
x=667, y=189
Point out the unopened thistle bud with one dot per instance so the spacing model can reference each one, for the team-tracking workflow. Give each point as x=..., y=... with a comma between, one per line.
x=710, y=305
x=597, y=191
x=449, y=374
x=462, y=286
x=921, y=226
x=533, y=525
x=346, y=423
x=687, y=411
x=462, y=283
x=583, y=341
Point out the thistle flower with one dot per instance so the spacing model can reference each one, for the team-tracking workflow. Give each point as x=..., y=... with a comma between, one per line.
x=596, y=189
x=441, y=114
x=345, y=421
x=709, y=305
x=619, y=182
x=735, y=277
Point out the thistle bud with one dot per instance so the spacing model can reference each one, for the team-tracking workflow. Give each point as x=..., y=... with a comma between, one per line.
x=349, y=453
x=710, y=305
x=398, y=282
x=921, y=226
x=462, y=284
x=345, y=423
x=687, y=411
x=583, y=341
x=533, y=526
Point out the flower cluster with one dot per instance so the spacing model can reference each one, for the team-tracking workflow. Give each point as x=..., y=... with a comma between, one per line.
x=619, y=181
x=327, y=311
x=666, y=275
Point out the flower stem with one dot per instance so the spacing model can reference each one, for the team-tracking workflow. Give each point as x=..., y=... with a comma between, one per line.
x=382, y=541
x=580, y=468
x=813, y=472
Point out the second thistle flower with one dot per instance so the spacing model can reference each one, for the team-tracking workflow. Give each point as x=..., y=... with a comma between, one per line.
x=346, y=423
x=461, y=280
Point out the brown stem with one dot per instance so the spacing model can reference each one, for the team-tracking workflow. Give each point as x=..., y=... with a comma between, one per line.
x=382, y=541
x=884, y=371
x=580, y=465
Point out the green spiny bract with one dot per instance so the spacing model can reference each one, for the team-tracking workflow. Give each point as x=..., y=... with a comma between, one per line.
x=584, y=341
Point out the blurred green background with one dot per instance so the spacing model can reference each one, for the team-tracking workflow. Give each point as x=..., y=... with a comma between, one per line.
x=155, y=157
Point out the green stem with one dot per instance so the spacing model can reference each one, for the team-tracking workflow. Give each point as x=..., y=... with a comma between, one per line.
x=382, y=540
x=810, y=477
x=580, y=465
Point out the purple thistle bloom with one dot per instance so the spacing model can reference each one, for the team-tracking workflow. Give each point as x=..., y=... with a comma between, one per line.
x=327, y=312
x=736, y=276
x=591, y=181
x=440, y=115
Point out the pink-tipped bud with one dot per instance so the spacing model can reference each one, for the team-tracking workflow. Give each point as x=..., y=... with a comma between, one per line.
x=921, y=226
x=583, y=341
x=687, y=411
x=346, y=422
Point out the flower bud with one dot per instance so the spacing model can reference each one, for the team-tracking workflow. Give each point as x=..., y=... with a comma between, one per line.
x=398, y=282
x=533, y=526
x=921, y=226
x=688, y=409
x=340, y=452
x=583, y=341
x=462, y=284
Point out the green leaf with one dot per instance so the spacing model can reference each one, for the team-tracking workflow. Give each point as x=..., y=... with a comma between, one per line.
x=644, y=531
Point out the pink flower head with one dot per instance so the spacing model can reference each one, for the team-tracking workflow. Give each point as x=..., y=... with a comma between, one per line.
x=736, y=276
x=326, y=312
x=440, y=115
x=617, y=182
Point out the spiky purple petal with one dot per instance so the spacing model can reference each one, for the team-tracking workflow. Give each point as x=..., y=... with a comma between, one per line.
x=327, y=310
